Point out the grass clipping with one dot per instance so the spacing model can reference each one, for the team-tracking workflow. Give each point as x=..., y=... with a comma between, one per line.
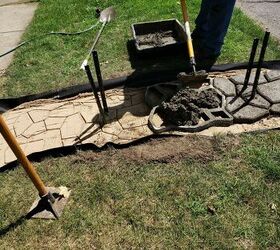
x=186, y=107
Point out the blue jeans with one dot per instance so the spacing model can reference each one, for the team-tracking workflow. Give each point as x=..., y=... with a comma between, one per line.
x=212, y=24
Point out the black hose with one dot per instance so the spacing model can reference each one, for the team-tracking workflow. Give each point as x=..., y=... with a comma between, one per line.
x=134, y=80
x=49, y=34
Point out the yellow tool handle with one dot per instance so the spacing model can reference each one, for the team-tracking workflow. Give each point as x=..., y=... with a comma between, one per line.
x=190, y=47
x=28, y=167
x=187, y=28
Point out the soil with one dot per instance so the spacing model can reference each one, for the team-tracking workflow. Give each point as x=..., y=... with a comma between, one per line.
x=198, y=148
x=157, y=39
x=185, y=108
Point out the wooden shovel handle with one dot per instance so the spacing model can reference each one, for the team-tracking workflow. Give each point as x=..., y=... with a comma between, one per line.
x=188, y=30
x=185, y=11
x=28, y=167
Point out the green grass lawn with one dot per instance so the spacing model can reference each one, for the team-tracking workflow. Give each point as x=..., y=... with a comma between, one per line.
x=229, y=201
x=54, y=62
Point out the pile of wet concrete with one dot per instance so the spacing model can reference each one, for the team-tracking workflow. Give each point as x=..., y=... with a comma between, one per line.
x=186, y=107
x=157, y=39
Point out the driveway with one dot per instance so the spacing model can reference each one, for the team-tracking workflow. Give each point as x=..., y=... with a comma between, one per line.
x=15, y=15
x=265, y=12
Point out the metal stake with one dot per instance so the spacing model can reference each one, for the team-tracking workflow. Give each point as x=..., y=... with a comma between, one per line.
x=260, y=64
x=249, y=69
x=250, y=65
x=100, y=80
x=91, y=81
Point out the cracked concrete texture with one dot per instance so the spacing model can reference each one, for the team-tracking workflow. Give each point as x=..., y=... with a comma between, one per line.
x=233, y=104
x=250, y=114
x=240, y=78
x=268, y=93
x=51, y=124
x=271, y=91
x=272, y=75
x=260, y=102
x=225, y=86
x=275, y=109
x=48, y=124
x=14, y=19
x=266, y=13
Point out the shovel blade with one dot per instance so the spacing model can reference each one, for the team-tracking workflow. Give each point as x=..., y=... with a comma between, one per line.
x=107, y=15
x=39, y=210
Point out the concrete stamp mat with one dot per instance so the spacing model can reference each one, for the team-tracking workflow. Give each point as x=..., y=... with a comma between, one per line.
x=51, y=124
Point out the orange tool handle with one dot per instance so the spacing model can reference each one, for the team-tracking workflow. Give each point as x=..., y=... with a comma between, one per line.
x=28, y=167
x=184, y=10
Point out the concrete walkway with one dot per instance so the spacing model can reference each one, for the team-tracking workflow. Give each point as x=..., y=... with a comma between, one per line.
x=49, y=124
x=15, y=15
x=265, y=12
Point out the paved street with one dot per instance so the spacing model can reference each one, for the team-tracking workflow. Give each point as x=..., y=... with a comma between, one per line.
x=264, y=12
x=15, y=15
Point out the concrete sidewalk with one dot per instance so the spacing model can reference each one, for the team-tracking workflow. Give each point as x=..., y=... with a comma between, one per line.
x=15, y=15
x=265, y=12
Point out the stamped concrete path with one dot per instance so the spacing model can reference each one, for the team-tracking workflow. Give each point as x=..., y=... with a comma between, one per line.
x=265, y=12
x=52, y=124
x=15, y=15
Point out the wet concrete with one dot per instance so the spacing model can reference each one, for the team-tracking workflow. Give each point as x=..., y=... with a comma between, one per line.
x=157, y=39
x=270, y=91
x=225, y=86
x=46, y=125
x=185, y=108
x=275, y=109
x=250, y=114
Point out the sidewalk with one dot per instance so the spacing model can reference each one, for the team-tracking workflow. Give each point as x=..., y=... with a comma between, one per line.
x=266, y=13
x=15, y=15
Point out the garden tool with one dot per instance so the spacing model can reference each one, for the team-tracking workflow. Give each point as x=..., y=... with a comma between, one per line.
x=195, y=76
x=95, y=92
x=249, y=70
x=51, y=201
x=106, y=16
x=260, y=64
x=100, y=81
x=258, y=71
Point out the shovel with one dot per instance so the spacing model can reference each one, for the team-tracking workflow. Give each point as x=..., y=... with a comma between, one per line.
x=195, y=76
x=106, y=16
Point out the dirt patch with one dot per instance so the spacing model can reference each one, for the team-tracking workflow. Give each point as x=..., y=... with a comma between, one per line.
x=184, y=109
x=164, y=150
x=157, y=39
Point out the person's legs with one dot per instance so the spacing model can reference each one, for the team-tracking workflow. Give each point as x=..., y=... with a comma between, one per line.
x=219, y=19
x=201, y=21
x=212, y=25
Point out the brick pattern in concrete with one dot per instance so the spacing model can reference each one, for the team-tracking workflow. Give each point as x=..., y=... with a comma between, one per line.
x=268, y=94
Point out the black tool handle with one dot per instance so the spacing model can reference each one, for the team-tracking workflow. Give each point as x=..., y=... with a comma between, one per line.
x=100, y=80
x=250, y=64
x=91, y=81
x=260, y=63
